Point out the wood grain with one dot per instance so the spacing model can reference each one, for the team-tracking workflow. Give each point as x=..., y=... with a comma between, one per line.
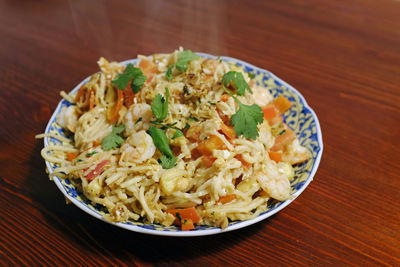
x=343, y=56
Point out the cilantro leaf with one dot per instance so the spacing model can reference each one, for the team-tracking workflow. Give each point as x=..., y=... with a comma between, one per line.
x=245, y=120
x=166, y=162
x=122, y=80
x=113, y=140
x=159, y=106
x=130, y=72
x=237, y=81
x=160, y=140
x=178, y=133
x=184, y=57
x=138, y=82
x=168, y=75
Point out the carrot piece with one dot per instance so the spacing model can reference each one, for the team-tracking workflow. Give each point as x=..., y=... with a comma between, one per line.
x=128, y=96
x=208, y=161
x=272, y=115
x=80, y=93
x=206, y=147
x=282, y=104
x=71, y=156
x=91, y=99
x=270, y=112
x=227, y=198
x=275, y=156
x=284, y=139
x=187, y=225
x=228, y=131
x=97, y=170
x=113, y=112
x=245, y=164
x=184, y=214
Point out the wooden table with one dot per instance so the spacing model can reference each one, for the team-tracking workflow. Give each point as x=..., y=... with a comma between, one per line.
x=343, y=56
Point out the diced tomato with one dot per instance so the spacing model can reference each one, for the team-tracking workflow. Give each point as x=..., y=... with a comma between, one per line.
x=282, y=104
x=185, y=216
x=97, y=170
x=270, y=112
x=284, y=139
x=187, y=225
x=275, y=156
x=227, y=198
x=206, y=147
x=208, y=160
x=71, y=156
x=228, y=131
x=272, y=115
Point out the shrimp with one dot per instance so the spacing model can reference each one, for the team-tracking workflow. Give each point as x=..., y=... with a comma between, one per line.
x=214, y=68
x=68, y=118
x=275, y=183
x=261, y=96
x=139, y=147
x=137, y=118
x=265, y=135
x=295, y=153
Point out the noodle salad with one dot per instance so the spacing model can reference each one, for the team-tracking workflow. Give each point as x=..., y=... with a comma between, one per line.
x=178, y=139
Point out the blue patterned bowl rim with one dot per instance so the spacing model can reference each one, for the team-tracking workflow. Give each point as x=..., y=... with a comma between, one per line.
x=199, y=231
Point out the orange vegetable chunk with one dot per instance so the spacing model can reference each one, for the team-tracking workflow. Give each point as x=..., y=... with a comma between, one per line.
x=228, y=131
x=284, y=139
x=186, y=213
x=227, y=198
x=282, y=104
x=187, y=225
x=275, y=156
x=72, y=156
x=206, y=147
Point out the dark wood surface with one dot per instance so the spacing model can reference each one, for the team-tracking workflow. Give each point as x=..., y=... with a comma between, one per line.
x=343, y=56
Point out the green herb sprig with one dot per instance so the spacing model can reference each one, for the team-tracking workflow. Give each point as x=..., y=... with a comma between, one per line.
x=236, y=80
x=130, y=72
x=159, y=106
x=184, y=57
x=113, y=140
x=246, y=119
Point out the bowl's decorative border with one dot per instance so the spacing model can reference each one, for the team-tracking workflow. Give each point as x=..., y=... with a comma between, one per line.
x=301, y=118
